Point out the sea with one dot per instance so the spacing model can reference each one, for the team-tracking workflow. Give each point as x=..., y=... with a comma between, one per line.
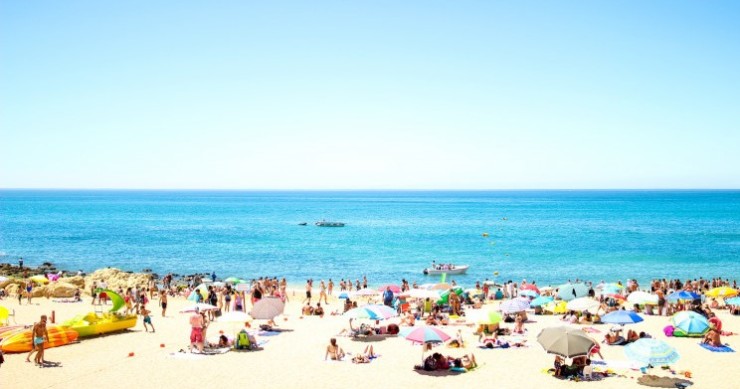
x=547, y=237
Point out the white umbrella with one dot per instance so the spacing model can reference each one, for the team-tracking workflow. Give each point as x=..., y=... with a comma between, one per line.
x=200, y=306
x=234, y=317
x=582, y=304
x=514, y=305
x=267, y=308
x=642, y=298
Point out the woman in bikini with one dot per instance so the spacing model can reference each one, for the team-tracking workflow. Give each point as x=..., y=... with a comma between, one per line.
x=333, y=351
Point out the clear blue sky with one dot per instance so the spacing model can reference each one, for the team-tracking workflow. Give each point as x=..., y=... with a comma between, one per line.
x=371, y=94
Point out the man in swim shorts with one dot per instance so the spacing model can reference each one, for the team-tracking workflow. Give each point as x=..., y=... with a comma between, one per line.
x=39, y=334
x=196, y=330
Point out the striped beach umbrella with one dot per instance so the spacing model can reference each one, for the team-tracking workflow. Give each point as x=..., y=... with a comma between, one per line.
x=427, y=334
x=651, y=352
x=621, y=317
x=371, y=312
x=722, y=291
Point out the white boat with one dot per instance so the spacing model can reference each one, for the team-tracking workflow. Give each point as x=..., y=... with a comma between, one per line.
x=454, y=269
x=325, y=223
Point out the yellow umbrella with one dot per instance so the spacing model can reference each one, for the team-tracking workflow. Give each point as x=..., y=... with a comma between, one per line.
x=722, y=291
x=556, y=307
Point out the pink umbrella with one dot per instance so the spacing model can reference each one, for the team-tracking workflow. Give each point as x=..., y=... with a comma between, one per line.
x=427, y=335
x=394, y=288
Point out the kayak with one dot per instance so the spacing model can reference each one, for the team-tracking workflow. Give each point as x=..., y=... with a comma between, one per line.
x=9, y=330
x=20, y=341
x=93, y=324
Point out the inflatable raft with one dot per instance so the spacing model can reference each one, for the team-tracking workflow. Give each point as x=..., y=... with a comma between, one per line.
x=20, y=341
x=94, y=324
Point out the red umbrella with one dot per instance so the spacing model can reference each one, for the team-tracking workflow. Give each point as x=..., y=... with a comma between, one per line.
x=530, y=287
x=394, y=288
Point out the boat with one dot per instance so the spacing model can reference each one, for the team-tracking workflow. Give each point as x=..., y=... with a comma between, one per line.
x=324, y=223
x=454, y=269
x=303, y=224
x=20, y=341
x=94, y=324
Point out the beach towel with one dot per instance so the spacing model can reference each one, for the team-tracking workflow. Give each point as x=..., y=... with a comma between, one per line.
x=269, y=333
x=591, y=330
x=723, y=349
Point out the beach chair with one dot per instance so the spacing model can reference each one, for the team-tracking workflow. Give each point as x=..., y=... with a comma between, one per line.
x=5, y=316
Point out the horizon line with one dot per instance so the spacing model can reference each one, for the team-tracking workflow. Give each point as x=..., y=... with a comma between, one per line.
x=364, y=189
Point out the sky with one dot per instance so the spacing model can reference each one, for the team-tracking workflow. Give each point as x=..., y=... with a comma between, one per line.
x=370, y=94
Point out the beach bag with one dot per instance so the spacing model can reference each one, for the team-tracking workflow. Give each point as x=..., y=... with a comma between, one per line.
x=242, y=341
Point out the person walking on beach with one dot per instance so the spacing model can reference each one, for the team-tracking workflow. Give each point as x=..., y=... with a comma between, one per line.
x=308, y=292
x=147, y=319
x=388, y=297
x=196, y=330
x=39, y=334
x=322, y=292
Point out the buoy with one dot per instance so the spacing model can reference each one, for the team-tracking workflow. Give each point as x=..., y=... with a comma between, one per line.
x=485, y=235
x=495, y=273
x=131, y=354
x=161, y=345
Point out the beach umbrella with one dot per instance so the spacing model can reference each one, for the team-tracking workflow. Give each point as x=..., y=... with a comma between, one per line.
x=234, y=317
x=231, y=280
x=568, y=292
x=651, y=352
x=565, y=341
x=426, y=334
x=722, y=291
x=218, y=284
x=488, y=317
x=514, y=305
x=583, y=304
x=555, y=307
x=611, y=288
x=267, y=308
x=621, y=317
x=546, y=289
x=540, y=301
x=733, y=301
x=642, y=298
x=682, y=295
x=200, y=306
x=394, y=288
x=3, y=279
x=371, y=312
x=423, y=294
x=343, y=295
x=528, y=293
x=616, y=296
x=531, y=287
x=203, y=293
x=690, y=322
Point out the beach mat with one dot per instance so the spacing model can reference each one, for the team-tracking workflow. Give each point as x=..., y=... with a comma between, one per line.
x=663, y=382
x=723, y=349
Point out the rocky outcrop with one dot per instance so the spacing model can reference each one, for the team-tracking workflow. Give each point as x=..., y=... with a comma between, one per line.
x=116, y=279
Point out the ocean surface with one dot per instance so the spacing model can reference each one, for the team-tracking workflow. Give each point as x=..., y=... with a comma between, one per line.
x=543, y=236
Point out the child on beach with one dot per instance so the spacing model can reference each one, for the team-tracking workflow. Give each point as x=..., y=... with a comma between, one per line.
x=147, y=319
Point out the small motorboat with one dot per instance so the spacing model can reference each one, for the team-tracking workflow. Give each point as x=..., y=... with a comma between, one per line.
x=324, y=223
x=448, y=269
x=303, y=224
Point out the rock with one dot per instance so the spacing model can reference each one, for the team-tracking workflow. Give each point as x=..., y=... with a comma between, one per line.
x=116, y=279
x=61, y=289
x=77, y=281
x=12, y=289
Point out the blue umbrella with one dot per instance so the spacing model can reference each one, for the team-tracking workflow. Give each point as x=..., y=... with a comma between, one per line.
x=528, y=293
x=690, y=322
x=568, y=292
x=540, y=301
x=621, y=317
x=733, y=301
x=651, y=352
x=682, y=295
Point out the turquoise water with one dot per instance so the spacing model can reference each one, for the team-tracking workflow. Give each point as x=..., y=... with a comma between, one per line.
x=546, y=236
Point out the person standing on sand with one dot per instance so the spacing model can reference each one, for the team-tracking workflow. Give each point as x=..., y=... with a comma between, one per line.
x=308, y=292
x=322, y=292
x=330, y=287
x=39, y=334
x=20, y=263
x=163, y=303
x=196, y=330
x=29, y=289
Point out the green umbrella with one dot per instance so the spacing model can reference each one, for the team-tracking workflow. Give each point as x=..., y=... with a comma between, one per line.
x=489, y=317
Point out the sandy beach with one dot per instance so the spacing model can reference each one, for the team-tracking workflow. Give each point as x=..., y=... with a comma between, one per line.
x=296, y=358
